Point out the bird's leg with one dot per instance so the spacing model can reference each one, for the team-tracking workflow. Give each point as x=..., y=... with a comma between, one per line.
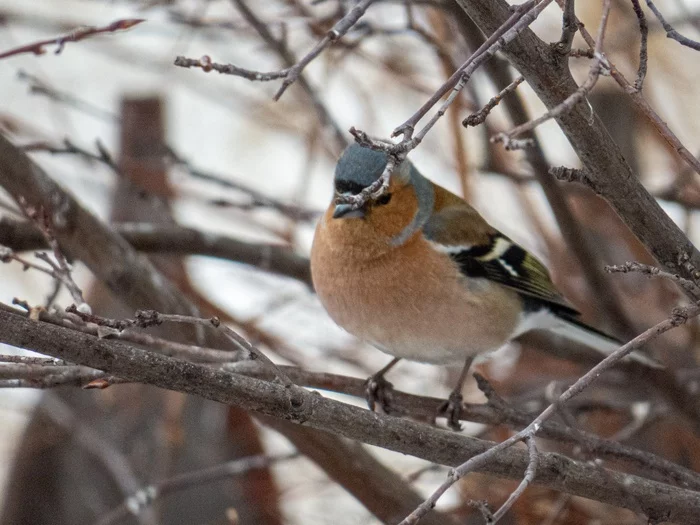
x=452, y=407
x=378, y=389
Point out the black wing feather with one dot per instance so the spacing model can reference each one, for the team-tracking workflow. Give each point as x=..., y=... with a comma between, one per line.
x=506, y=263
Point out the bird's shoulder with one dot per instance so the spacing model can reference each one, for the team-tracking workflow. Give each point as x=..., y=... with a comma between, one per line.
x=457, y=229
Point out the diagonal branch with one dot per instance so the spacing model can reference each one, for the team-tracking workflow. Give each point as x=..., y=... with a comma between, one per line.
x=680, y=316
x=656, y=499
x=672, y=33
x=81, y=33
x=546, y=71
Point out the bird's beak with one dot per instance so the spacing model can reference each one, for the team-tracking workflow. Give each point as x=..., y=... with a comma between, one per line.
x=345, y=211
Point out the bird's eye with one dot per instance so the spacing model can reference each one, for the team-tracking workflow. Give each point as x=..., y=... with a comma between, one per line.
x=384, y=199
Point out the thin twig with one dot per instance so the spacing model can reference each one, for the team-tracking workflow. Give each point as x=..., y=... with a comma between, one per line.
x=30, y=360
x=103, y=328
x=628, y=267
x=135, y=504
x=406, y=129
x=287, y=56
x=528, y=478
x=477, y=118
x=47, y=376
x=257, y=199
x=69, y=148
x=644, y=35
x=230, y=334
x=60, y=268
x=147, y=318
x=39, y=87
x=670, y=32
x=600, y=63
x=205, y=64
x=81, y=33
x=336, y=33
x=54, y=270
x=642, y=105
x=568, y=28
x=581, y=53
x=289, y=74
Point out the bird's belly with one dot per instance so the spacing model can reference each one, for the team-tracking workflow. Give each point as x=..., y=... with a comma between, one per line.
x=417, y=314
x=437, y=336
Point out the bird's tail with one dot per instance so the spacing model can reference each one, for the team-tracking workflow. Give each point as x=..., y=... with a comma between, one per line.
x=577, y=331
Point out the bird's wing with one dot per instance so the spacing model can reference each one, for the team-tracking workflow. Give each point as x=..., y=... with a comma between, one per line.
x=482, y=251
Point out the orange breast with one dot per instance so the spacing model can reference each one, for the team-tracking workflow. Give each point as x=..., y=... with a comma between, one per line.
x=412, y=301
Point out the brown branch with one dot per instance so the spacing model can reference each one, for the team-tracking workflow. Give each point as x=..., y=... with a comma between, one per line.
x=81, y=33
x=599, y=64
x=686, y=284
x=135, y=504
x=643, y=106
x=680, y=316
x=477, y=118
x=581, y=53
x=495, y=412
x=578, y=242
x=657, y=499
x=643, y=55
x=672, y=33
x=281, y=48
x=528, y=478
x=547, y=73
x=568, y=28
x=172, y=239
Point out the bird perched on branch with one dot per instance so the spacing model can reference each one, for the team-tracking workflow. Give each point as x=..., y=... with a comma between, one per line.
x=419, y=274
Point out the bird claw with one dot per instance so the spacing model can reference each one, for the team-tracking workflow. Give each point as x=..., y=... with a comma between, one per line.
x=379, y=391
x=452, y=410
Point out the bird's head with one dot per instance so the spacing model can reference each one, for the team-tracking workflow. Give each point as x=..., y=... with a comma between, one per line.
x=394, y=216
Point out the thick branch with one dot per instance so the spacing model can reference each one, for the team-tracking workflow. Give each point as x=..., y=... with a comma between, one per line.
x=176, y=240
x=558, y=472
x=546, y=71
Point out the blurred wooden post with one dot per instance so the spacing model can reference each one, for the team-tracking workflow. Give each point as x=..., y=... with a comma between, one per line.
x=144, y=195
x=110, y=443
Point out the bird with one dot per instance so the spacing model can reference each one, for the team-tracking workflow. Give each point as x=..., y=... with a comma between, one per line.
x=419, y=274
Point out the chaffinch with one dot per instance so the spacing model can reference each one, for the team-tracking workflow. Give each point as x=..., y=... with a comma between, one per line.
x=420, y=275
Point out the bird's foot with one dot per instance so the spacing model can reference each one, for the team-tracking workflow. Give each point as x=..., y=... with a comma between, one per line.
x=379, y=391
x=452, y=410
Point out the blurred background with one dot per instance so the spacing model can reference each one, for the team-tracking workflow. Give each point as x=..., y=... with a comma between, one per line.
x=137, y=139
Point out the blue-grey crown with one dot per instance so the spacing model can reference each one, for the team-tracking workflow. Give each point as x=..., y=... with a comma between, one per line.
x=357, y=168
